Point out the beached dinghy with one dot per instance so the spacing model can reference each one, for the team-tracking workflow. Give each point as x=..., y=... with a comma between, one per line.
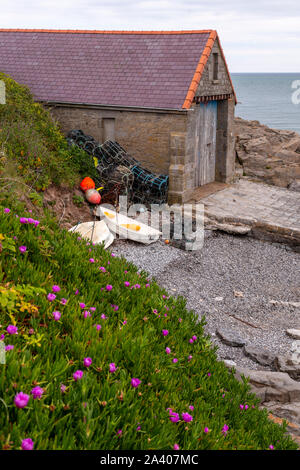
x=98, y=230
x=126, y=227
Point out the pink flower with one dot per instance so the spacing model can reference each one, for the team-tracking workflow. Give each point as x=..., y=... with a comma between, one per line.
x=22, y=248
x=23, y=220
x=63, y=388
x=27, y=444
x=109, y=287
x=2, y=337
x=51, y=297
x=98, y=327
x=63, y=301
x=86, y=314
x=91, y=260
x=176, y=447
x=103, y=316
x=187, y=417
x=209, y=374
x=126, y=284
x=206, y=430
x=93, y=309
x=113, y=255
x=102, y=268
x=12, y=330
x=165, y=332
x=78, y=375
x=191, y=340
x=56, y=315
x=21, y=400
x=76, y=292
x=175, y=360
x=180, y=320
x=6, y=210
x=225, y=429
x=37, y=392
x=112, y=367
x=135, y=382
x=191, y=407
x=9, y=347
x=271, y=447
x=87, y=361
x=174, y=417
x=55, y=288
x=119, y=432
x=190, y=358
x=194, y=338
x=168, y=350
x=82, y=305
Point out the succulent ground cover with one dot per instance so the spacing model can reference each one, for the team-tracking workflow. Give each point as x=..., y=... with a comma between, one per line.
x=100, y=357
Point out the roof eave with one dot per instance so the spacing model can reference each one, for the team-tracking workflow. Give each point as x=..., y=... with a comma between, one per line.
x=113, y=107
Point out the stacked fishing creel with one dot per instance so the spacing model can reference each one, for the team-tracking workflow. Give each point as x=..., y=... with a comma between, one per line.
x=120, y=173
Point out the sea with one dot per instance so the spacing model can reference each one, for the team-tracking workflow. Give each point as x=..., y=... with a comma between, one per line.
x=270, y=98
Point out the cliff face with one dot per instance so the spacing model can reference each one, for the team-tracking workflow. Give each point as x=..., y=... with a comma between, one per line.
x=269, y=155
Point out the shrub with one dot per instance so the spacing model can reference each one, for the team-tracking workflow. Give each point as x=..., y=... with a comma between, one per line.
x=31, y=139
x=70, y=402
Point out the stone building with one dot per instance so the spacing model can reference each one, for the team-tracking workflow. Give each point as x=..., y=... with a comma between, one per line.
x=165, y=96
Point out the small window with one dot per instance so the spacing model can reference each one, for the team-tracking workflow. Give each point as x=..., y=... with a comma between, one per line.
x=215, y=66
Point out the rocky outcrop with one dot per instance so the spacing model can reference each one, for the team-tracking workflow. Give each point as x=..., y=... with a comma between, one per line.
x=266, y=154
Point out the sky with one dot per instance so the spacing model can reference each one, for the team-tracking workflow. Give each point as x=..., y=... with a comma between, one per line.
x=256, y=35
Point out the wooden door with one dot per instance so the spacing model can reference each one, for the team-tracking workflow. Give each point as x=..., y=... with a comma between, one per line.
x=206, y=143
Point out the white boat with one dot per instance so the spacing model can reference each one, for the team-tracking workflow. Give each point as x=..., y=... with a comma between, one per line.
x=126, y=227
x=97, y=229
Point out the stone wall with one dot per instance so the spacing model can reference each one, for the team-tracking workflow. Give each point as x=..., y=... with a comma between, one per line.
x=208, y=86
x=145, y=135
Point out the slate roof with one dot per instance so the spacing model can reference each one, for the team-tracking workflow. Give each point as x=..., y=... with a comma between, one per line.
x=155, y=69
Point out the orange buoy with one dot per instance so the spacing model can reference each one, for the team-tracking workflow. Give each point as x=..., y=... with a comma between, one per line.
x=93, y=196
x=87, y=183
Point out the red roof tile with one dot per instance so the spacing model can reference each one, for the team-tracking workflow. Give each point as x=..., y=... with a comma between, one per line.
x=121, y=68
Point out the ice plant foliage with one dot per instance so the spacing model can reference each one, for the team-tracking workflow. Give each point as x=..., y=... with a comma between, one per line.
x=142, y=379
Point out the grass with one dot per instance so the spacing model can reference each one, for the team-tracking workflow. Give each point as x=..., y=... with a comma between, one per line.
x=102, y=410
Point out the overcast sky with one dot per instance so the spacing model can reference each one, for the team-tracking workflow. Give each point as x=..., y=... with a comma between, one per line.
x=256, y=35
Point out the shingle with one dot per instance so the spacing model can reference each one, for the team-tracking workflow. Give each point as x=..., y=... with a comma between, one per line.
x=150, y=70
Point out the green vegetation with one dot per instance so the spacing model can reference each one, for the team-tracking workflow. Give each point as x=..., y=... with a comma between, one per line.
x=32, y=146
x=102, y=409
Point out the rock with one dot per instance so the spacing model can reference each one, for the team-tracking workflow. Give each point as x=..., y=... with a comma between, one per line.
x=289, y=365
x=288, y=411
x=261, y=356
x=230, y=338
x=293, y=333
x=295, y=185
x=266, y=154
x=230, y=364
x=271, y=386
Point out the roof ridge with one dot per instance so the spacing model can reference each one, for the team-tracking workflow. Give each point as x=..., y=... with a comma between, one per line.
x=95, y=31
